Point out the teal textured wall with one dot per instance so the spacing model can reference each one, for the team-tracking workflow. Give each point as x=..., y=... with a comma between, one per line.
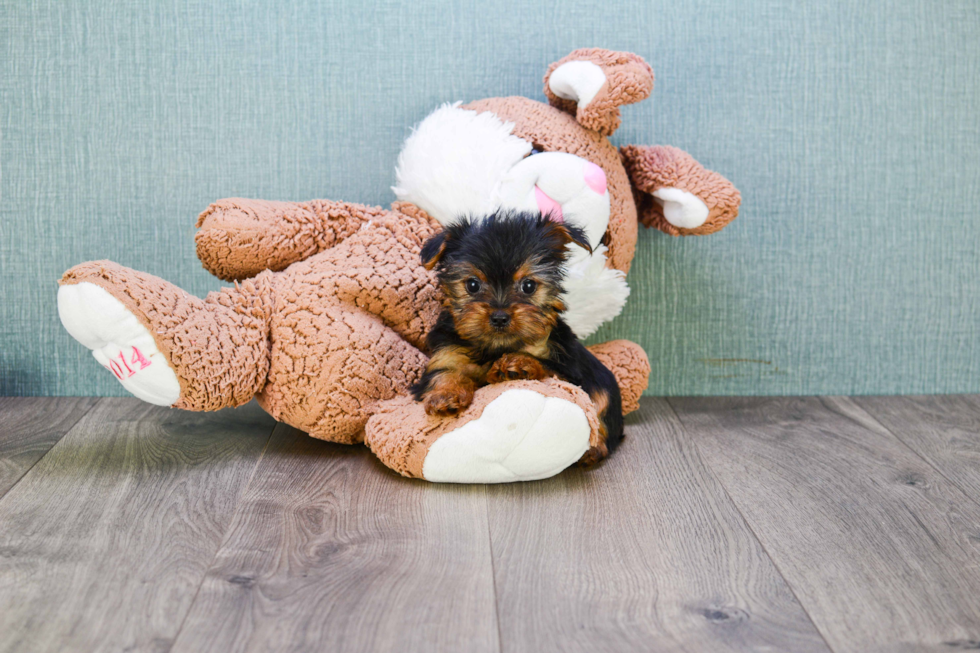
x=851, y=128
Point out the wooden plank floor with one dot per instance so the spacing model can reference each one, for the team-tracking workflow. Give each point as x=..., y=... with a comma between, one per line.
x=722, y=524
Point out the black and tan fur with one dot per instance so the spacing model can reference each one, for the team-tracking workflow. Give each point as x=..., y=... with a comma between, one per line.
x=502, y=282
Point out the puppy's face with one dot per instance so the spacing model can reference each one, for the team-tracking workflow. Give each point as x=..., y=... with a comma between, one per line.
x=502, y=277
x=503, y=307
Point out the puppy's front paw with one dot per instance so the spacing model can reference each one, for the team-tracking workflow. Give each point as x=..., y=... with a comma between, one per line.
x=511, y=367
x=593, y=456
x=448, y=400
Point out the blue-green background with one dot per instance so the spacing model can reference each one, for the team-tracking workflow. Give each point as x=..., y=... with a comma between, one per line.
x=851, y=128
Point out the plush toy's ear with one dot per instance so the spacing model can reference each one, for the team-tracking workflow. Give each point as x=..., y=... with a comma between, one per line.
x=433, y=249
x=676, y=194
x=592, y=83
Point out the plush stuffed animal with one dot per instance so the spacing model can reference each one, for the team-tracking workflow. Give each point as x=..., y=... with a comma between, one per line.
x=326, y=324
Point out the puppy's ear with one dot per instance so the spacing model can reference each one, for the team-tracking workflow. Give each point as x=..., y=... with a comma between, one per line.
x=592, y=83
x=433, y=249
x=569, y=233
x=577, y=236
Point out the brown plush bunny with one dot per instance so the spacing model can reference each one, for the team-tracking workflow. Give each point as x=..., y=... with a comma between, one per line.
x=326, y=326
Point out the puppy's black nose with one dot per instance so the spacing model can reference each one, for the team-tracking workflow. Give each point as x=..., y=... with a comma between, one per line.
x=499, y=319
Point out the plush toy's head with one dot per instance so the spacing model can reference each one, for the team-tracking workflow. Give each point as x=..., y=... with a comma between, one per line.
x=516, y=153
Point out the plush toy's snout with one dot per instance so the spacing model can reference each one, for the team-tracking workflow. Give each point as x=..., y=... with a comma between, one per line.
x=561, y=186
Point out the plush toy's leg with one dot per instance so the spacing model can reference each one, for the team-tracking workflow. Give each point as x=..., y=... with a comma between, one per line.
x=239, y=238
x=514, y=431
x=164, y=345
x=629, y=364
x=376, y=270
x=331, y=363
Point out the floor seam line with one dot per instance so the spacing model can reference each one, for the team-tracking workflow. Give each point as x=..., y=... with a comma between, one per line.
x=98, y=400
x=493, y=572
x=224, y=538
x=748, y=525
x=915, y=453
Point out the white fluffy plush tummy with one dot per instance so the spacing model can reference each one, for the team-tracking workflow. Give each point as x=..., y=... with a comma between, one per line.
x=461, y=163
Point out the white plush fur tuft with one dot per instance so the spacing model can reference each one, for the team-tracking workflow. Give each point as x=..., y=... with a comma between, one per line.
x=594, y=293
x=452, y=162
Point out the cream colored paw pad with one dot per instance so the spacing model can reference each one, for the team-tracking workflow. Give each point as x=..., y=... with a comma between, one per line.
x=520, y=436
x=118, y=341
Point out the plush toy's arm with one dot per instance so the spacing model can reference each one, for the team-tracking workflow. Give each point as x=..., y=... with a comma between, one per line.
x=513, y=431
x=238, y=238
x=675, y=194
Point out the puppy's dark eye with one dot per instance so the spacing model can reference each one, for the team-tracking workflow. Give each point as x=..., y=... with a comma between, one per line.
x=472, y=286
x=528, y=286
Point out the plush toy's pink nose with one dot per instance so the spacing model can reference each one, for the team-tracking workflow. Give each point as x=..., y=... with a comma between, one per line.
x=595, y=178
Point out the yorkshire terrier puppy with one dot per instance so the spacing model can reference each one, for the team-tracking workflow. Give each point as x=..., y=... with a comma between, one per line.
x=502, y=280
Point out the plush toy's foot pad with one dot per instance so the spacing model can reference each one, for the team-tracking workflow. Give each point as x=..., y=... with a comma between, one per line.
x=515, y=431
x=521, y=436
x=119, y=341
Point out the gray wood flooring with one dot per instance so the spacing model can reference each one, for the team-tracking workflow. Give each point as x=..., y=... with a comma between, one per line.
x=722, y=524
